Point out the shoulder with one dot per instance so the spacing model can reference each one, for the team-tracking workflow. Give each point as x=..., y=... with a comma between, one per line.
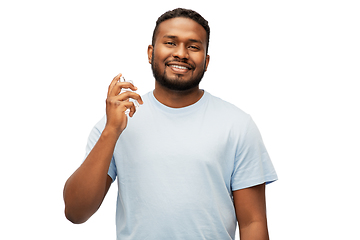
x=227, y=109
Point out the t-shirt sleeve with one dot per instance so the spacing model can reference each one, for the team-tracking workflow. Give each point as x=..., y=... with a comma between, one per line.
x=92, y=140
x=252, y=165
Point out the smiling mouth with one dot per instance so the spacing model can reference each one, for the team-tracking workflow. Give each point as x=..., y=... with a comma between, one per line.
x=179, y=67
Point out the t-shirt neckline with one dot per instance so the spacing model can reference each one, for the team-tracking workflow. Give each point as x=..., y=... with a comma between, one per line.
x=193, y=107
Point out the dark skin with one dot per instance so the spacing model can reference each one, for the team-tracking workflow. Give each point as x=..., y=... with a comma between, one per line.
x=86, y=188
x=250, y=208
x=176, y=38
x=179, y=38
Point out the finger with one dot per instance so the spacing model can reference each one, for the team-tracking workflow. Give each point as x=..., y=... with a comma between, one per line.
x=113, y=83
x=118, y=86
x=131, y=106
x=132, y=109
x=127, y=95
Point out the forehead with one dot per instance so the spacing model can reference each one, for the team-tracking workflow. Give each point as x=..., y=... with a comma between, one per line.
x=183, y=28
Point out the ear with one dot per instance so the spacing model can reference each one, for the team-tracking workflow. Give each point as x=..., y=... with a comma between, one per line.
x=207, y=60
x=149, y=52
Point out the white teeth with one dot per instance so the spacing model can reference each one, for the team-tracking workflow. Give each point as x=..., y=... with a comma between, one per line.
x=177, y=66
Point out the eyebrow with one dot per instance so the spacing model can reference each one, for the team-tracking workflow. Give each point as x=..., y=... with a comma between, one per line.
x=175, y=37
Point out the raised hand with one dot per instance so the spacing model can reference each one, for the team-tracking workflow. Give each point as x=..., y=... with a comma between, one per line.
x=117, y=104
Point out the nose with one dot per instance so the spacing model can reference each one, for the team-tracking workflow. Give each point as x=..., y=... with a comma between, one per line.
x=181, y=52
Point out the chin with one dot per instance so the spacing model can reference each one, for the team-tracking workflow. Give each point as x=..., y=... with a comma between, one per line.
x=178, y=83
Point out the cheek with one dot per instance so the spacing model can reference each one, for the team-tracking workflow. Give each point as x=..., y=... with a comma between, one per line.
x=161, y=53
x=200, y=62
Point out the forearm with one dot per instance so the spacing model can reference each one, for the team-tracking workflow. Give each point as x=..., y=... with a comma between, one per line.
x=255, y=231
x=84, y=191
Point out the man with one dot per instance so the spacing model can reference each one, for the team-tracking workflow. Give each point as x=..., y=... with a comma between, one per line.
x=188, y=164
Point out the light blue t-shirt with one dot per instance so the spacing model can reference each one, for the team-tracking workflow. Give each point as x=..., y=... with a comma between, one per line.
x=176, y=169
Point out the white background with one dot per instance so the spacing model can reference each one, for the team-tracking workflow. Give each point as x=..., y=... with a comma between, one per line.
x=293, y=65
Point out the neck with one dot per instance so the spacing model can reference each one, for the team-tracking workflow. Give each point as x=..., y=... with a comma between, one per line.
x=177, y=99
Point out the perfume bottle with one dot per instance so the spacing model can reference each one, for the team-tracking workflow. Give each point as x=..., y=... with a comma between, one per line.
x=122, y=79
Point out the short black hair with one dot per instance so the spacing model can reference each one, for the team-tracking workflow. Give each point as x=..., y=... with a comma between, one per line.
x=185, y=13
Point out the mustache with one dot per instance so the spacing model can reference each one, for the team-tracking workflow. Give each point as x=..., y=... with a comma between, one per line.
x=180, y=61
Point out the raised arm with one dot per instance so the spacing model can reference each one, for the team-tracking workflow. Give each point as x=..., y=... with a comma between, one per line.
x=250, y=207
x=86, y=188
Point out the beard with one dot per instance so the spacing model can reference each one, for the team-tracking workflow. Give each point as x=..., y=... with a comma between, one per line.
x=176, y=83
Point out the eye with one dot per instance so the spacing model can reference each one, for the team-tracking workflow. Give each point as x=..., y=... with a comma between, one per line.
x=193, y=47
x=170, y=43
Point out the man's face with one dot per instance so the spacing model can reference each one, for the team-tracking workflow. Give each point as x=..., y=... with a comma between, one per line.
x=178, y=58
